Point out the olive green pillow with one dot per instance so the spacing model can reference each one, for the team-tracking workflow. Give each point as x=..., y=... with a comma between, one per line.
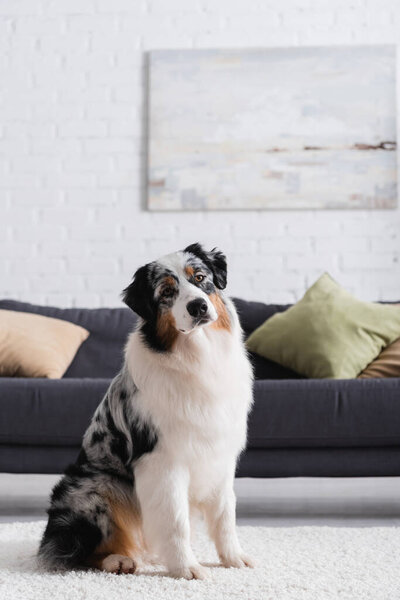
x=328, y=333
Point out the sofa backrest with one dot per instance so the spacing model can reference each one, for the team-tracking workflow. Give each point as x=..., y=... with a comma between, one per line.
x=101, y=355
x=252, y=315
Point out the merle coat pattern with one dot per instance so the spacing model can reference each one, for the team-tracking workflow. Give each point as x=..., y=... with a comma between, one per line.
x=164, y=441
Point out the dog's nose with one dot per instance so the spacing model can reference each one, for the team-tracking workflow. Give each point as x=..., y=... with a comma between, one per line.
x=197, y=308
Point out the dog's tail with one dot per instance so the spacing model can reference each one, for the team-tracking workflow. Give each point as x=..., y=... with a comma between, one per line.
x=68, y=541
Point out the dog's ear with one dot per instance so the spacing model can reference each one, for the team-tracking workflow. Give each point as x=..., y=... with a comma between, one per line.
x=219, y=268
x=215, y=260
x=139, y=294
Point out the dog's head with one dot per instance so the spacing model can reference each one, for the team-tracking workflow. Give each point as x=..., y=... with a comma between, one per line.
x=178, y=293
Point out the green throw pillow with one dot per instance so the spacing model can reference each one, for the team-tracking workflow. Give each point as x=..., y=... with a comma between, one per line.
x=328, y=333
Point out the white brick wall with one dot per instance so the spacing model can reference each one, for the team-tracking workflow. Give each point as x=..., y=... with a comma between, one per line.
x=73, y=226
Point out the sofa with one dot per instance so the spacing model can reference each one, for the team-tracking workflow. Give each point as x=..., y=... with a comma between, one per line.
x=297, y=427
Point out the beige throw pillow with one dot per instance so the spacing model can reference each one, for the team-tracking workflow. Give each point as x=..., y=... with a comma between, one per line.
x=37, y=346
x=386, y=365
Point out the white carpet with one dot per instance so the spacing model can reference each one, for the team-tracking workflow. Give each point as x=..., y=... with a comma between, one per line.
x=301, y=563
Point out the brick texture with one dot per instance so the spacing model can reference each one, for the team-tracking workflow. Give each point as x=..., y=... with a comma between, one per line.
x=73, y=224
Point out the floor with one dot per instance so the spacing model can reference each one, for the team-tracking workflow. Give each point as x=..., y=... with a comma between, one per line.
x=358, y=502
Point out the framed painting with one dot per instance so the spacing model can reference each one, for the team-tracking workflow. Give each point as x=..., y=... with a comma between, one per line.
x=277, y=128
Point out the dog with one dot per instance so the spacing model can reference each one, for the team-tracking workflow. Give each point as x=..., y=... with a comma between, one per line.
x=164, y=442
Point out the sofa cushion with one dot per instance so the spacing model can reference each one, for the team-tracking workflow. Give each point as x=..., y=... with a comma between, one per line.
x=47, y=412
x=268, y=369
x=101, y=355
x=37, y=346
x=328, y=334
x=286, y=414
x=387, y=364
x=252, y=315
x=325, y=413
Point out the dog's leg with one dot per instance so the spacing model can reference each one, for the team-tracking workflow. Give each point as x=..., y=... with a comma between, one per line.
x=219, y=512
x=121, y=552
x=162, y=491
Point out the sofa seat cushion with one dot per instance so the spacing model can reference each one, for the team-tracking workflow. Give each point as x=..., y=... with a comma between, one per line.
x=325, y=413
x=47, y=412
x=286, y=414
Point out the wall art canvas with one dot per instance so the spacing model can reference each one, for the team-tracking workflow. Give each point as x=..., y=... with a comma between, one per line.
x=277, y=128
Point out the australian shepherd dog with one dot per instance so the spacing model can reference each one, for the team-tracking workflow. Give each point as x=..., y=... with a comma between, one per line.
x=164, y=442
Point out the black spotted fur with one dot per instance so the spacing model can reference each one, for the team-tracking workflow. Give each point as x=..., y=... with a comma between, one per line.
x=79, y=514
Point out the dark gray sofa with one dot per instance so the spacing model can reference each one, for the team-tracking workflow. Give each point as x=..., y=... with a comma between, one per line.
x=298, y=427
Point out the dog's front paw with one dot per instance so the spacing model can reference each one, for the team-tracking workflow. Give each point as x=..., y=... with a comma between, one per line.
x=115, y=563
x=237, y=561
x=190, y=572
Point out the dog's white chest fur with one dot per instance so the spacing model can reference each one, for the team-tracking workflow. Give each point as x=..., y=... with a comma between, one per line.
x=198, y=398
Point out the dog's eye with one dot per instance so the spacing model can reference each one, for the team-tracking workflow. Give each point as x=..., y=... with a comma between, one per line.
x=199, y=277
x=168, y=292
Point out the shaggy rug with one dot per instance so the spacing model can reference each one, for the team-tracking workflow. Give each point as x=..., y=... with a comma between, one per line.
x=300, y=563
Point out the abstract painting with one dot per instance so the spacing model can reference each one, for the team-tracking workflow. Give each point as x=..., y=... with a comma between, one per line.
x=277, y=128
